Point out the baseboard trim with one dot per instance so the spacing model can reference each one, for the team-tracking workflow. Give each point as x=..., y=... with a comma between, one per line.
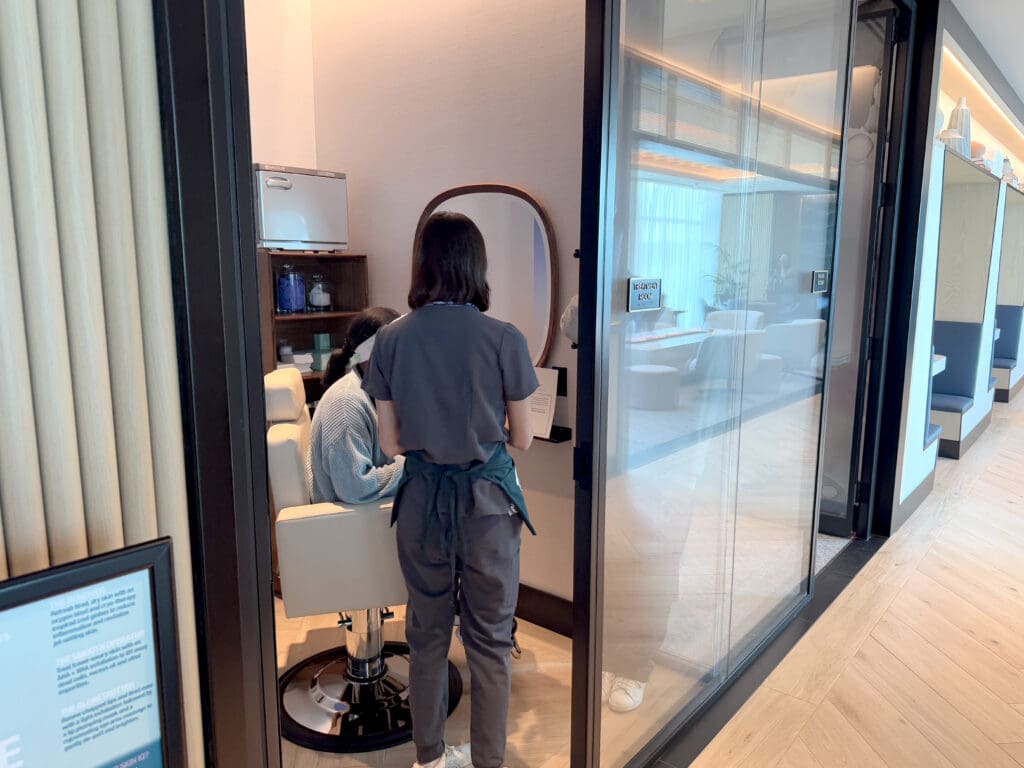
x=545, y=610
x=1006, y=395
x=955, y=449
x=903, y=511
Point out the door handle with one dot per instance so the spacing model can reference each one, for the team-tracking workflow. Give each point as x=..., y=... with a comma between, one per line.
x=279, y=182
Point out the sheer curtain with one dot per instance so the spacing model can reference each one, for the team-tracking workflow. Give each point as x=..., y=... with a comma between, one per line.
x=676, y=237
x=91, y=448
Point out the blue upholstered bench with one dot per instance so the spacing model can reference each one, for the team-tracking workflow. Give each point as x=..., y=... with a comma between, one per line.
x=1008, y=320
x=1008, y=363
x=951, y=403
x=953, y=389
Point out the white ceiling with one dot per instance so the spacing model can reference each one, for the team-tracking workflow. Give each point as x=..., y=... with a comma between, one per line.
x=999, y=25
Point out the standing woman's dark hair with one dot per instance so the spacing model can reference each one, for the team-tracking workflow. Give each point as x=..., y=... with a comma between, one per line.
x=449, y=263
x=363, y=326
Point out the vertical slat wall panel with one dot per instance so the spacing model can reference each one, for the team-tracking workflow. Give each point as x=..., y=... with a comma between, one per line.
x=145, y=154
x=112, y=183
x=3, y=549
x=35, y=220
x=21, y=489
x=80, y=268
x=83, y=251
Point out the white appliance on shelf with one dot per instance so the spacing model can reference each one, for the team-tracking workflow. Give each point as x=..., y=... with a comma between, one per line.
x=301, y=209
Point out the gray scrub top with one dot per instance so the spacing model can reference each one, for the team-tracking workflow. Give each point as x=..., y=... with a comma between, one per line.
x=449, y=370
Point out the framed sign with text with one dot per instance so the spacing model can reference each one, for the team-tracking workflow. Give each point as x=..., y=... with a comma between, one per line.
x=644, y=294
x=88, y=656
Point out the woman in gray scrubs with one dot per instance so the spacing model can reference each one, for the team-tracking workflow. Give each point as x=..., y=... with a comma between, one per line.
x=451, y=385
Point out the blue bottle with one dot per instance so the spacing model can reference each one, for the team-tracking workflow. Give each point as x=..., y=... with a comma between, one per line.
x=291, y=291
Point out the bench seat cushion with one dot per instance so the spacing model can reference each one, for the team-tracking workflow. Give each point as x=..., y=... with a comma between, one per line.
x=934, y=433
x=1004, y=362
x=961, y=344
x=951, y=403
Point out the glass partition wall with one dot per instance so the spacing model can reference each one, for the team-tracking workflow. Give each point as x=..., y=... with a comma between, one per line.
x=724, y=185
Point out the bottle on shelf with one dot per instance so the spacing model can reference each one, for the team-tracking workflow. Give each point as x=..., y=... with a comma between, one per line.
x=291, y=290
x=319, y=299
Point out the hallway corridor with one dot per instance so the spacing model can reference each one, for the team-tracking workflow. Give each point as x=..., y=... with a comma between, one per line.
x=919, y=663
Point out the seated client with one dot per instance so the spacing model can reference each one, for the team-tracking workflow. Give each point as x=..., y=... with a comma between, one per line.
x=348, y=464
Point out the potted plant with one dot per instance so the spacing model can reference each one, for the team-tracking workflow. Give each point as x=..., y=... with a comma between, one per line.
x=729, y=280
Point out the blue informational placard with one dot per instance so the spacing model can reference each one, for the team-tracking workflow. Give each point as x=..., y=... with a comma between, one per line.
x=80, y=682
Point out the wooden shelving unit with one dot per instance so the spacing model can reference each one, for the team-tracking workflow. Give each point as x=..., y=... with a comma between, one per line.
x=347, y=275
x=312, y=316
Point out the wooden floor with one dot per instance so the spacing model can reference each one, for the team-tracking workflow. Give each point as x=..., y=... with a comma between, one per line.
x=538, y=715
x=732, y=557
x=920, y=661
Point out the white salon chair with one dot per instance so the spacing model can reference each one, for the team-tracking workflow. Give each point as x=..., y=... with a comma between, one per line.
x=336, y=558
x=798, y=343
x=734, y=320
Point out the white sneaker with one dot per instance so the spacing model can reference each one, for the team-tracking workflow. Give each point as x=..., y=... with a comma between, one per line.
x=626, y=695
x=453, y=757
x=607, y=685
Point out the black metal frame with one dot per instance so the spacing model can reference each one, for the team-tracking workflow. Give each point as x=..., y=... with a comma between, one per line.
x=912, y=196
x=880, y=323
x=201, y=72
x=877, y=297
x=587, y=589
x=154, y=557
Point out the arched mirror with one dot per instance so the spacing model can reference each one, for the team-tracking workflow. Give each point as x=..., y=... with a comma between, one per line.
x=521, y=256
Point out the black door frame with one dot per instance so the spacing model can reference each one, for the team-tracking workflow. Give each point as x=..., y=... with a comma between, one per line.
x=921, y=79
x=200, y=49
x=881, y=328
x=877, y=296
x=598, y=134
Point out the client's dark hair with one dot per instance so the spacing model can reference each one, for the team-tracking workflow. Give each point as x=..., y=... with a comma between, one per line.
x=362, y=327
x=449, y=263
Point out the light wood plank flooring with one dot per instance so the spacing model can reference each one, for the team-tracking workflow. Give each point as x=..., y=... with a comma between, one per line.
x=538, y=718
x=728, y=558
x=920, y=661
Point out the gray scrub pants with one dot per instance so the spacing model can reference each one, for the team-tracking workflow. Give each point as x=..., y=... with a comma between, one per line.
x=488, y=560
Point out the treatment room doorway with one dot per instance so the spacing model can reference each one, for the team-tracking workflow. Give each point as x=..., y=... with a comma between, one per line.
x=380, y=114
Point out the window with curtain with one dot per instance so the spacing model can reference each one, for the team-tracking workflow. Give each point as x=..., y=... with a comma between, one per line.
x=676, y=237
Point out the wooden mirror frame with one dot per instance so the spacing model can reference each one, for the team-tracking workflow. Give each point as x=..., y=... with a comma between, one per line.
x=549, y=233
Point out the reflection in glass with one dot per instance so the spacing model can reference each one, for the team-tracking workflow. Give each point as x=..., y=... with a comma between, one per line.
x=726, y=178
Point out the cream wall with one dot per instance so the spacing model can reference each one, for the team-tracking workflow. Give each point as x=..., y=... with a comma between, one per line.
x=278, y=36
x=413, y=98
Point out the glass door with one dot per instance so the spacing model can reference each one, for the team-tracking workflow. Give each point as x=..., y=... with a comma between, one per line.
x=848, y=459
x=710, y=302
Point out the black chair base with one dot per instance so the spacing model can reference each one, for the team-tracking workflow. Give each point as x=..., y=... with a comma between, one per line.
x=322, y=710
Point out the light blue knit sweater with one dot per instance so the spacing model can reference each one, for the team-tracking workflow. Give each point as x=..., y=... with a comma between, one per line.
x=348, y=464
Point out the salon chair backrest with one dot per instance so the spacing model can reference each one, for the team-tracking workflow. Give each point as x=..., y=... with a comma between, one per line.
x=332, y=557
x=735, y=320
x=288, y=454
x=796, y=342
x=338, y=557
